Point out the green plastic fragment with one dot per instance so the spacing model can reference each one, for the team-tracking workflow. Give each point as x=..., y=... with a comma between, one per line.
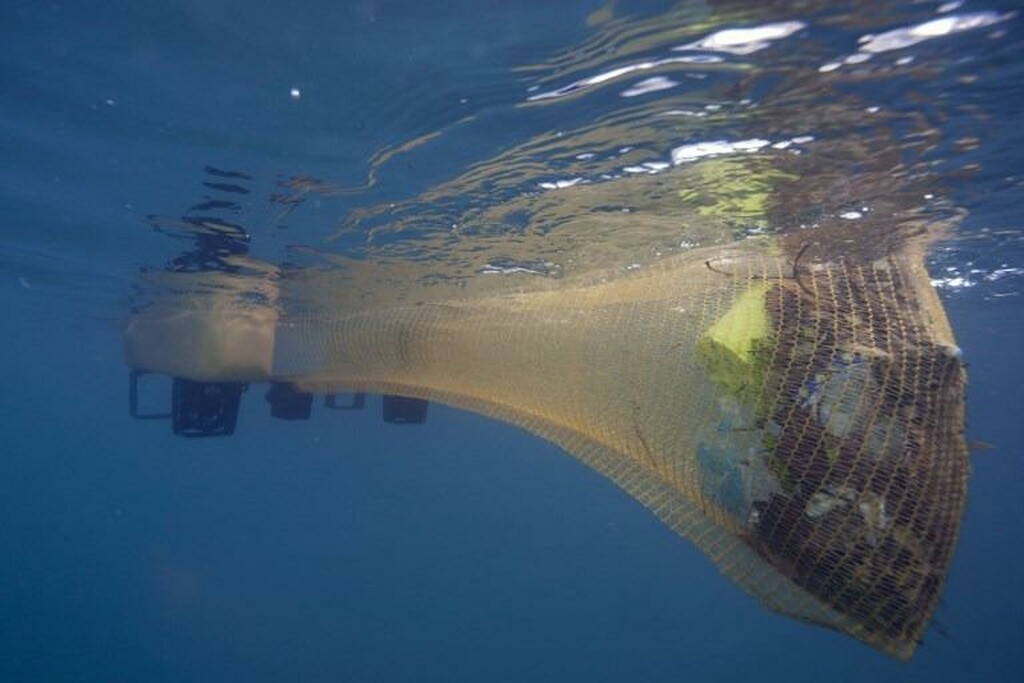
x=730, y=348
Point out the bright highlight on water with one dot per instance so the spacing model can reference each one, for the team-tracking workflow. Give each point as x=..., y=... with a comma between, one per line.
x=721, y=307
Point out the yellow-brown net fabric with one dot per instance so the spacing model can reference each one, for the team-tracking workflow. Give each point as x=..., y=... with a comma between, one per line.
x=799, y=419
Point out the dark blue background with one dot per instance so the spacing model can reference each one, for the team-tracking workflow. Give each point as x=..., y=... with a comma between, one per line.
x=343, y=549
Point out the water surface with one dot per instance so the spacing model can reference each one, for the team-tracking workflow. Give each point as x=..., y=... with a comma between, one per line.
x=457, y=145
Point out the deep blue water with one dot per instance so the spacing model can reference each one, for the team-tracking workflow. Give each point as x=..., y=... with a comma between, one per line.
x=462, y=549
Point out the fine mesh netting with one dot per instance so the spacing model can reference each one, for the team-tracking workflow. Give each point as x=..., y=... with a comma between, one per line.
x=718, y=302
x=793, y=407
x=799, y=419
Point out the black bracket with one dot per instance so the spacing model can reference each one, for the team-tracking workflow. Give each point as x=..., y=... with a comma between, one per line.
x=133, y=398
x=404, y=410
x=358, y=402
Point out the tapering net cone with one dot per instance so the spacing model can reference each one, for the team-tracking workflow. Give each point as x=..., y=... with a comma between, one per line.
x=801, y=423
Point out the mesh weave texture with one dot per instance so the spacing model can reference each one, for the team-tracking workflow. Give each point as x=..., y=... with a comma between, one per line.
x=800, y=420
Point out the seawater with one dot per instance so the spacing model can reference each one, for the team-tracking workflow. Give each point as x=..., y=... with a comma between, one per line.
x=456, y=141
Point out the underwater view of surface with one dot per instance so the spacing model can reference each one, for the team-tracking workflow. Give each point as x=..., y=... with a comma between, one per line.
x=371, y=154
